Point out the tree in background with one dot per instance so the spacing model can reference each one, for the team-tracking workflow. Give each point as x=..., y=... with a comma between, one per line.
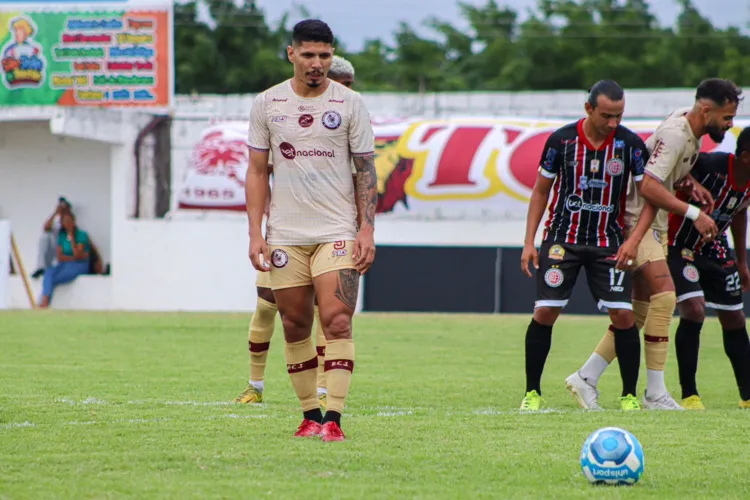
x=565, y=45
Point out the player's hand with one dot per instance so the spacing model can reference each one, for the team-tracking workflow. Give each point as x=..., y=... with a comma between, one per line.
x=626, y=254
x=364, y=249
x=259, y=254
x=702, y=196
x=706, y=226
x=529, y=254
x=744, y=277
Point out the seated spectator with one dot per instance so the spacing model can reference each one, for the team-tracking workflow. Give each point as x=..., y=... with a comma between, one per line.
x=48, y=242
x=73, y=251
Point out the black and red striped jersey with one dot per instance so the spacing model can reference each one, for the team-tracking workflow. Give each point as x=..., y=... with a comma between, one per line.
x=715, y=171
x=589, y=193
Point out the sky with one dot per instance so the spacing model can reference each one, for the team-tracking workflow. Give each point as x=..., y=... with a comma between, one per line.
x=353, y=21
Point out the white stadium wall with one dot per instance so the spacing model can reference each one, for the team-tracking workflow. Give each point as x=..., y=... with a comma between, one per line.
x=196, y=259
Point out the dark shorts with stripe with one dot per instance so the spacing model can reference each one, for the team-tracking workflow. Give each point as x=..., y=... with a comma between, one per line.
x=559, y=265
x=716, y=279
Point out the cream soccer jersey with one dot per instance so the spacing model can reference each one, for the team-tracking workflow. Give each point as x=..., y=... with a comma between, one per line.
x=312, y=141
x=673, y=150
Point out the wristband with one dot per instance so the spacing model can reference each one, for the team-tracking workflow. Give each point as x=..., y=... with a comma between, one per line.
x=692, y=212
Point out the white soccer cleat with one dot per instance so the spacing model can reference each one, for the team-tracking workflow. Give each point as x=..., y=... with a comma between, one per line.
x=583, y=392
x=664, y=402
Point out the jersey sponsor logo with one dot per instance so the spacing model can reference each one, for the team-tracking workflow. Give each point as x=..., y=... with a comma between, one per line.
x=619, y=144
x=331, y=120
x=615, y=167
x=594, y=166
x=584, y=183
x=732, y=202
x=275, y=99
x=279, y=258
x=556, y=252
x=554, y=277
x=575, y=203
x=289, y=152
x=336, y=101
x=302, y=109
x=550, y=158
x=687, y=254
x=278, y=119
x=305, y=121
x=658, y=148
x=690, y=272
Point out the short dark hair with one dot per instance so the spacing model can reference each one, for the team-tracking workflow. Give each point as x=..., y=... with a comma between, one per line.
x=743, y=141
x=719, y=91
x=608, y=88
x=312, y=30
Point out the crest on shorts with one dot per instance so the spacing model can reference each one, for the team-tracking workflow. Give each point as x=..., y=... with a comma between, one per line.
x=331, y=120
x=615, y=167
x=279, y=258
x=687, y=254
x=553, y=277
x=690, y=272
x=556, y=252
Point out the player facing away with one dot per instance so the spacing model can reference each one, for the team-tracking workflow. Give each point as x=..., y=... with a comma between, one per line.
x=711, y=275
x=590, y=163
x=314, y=127
x=674, y=148
x=263, y=321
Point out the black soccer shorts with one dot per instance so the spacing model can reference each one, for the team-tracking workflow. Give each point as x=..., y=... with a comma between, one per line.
x=715, y=278
x=559, y=265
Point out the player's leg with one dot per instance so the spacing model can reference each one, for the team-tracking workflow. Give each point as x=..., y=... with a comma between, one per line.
x=690, y=303
x=260, y=332
x=292, y=288
x=612, y=289
x=559, y=266
x=724, y=294
x=336, y=288
x=320, y=347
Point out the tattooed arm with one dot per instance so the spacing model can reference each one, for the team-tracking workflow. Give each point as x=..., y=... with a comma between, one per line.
x=366, y=193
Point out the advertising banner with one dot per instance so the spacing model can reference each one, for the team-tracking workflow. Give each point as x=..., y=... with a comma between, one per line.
x=452, y=169
x=112, y=53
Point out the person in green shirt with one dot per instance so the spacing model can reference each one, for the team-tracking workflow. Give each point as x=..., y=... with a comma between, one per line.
x=73, y=250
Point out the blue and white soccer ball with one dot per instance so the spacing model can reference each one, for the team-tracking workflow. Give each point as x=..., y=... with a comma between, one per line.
x=612, y=456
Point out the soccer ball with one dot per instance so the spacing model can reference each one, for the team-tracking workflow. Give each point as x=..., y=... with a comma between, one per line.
x=612, y=456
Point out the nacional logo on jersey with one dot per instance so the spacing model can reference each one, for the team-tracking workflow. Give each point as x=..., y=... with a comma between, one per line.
x=575, y=203
x=615, y=167
x=289, y=152
x=331, y=120
x=690, y=272
x=554, y=277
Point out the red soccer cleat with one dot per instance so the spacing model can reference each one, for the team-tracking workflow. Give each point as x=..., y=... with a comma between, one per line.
x=330, y=431
x=308, y=428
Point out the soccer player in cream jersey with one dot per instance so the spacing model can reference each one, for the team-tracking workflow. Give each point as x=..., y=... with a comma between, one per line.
x=263, y=321
x=313, y=247
x=674, y=149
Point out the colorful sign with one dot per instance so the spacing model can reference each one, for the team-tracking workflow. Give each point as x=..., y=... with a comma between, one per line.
x=460, y=168
x=97, y=57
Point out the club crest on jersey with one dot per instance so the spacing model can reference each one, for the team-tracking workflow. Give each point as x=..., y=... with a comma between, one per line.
x=279, y=258
x=594, y=166
x=554, y=277
x=690, y=272
x=615, y=167
x=556, y=252
x=331, y=120
x=687, y=254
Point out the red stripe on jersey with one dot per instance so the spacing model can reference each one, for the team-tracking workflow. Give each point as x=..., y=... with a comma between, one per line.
x=575, y=218
x=723, y=193
x=606, y=198
x=676, y=221
x=553, y=205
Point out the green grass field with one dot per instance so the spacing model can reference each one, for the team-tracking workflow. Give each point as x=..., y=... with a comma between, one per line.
x=116, y=405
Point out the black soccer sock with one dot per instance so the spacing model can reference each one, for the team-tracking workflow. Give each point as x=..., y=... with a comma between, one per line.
x=538, y=343
x=333, y=416
x=687, y=343
x=737, y=347
x=314, y=415
x=628, y=350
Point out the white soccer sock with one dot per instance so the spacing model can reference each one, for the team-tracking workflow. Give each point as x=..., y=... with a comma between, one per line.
x=593, y=368
x=655, y=387
x=258, y=384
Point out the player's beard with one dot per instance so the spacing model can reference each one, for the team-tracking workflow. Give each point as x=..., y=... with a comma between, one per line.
x=715, y=133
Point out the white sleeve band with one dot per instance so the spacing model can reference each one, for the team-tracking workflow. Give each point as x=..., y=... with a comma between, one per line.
x=692, y=212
